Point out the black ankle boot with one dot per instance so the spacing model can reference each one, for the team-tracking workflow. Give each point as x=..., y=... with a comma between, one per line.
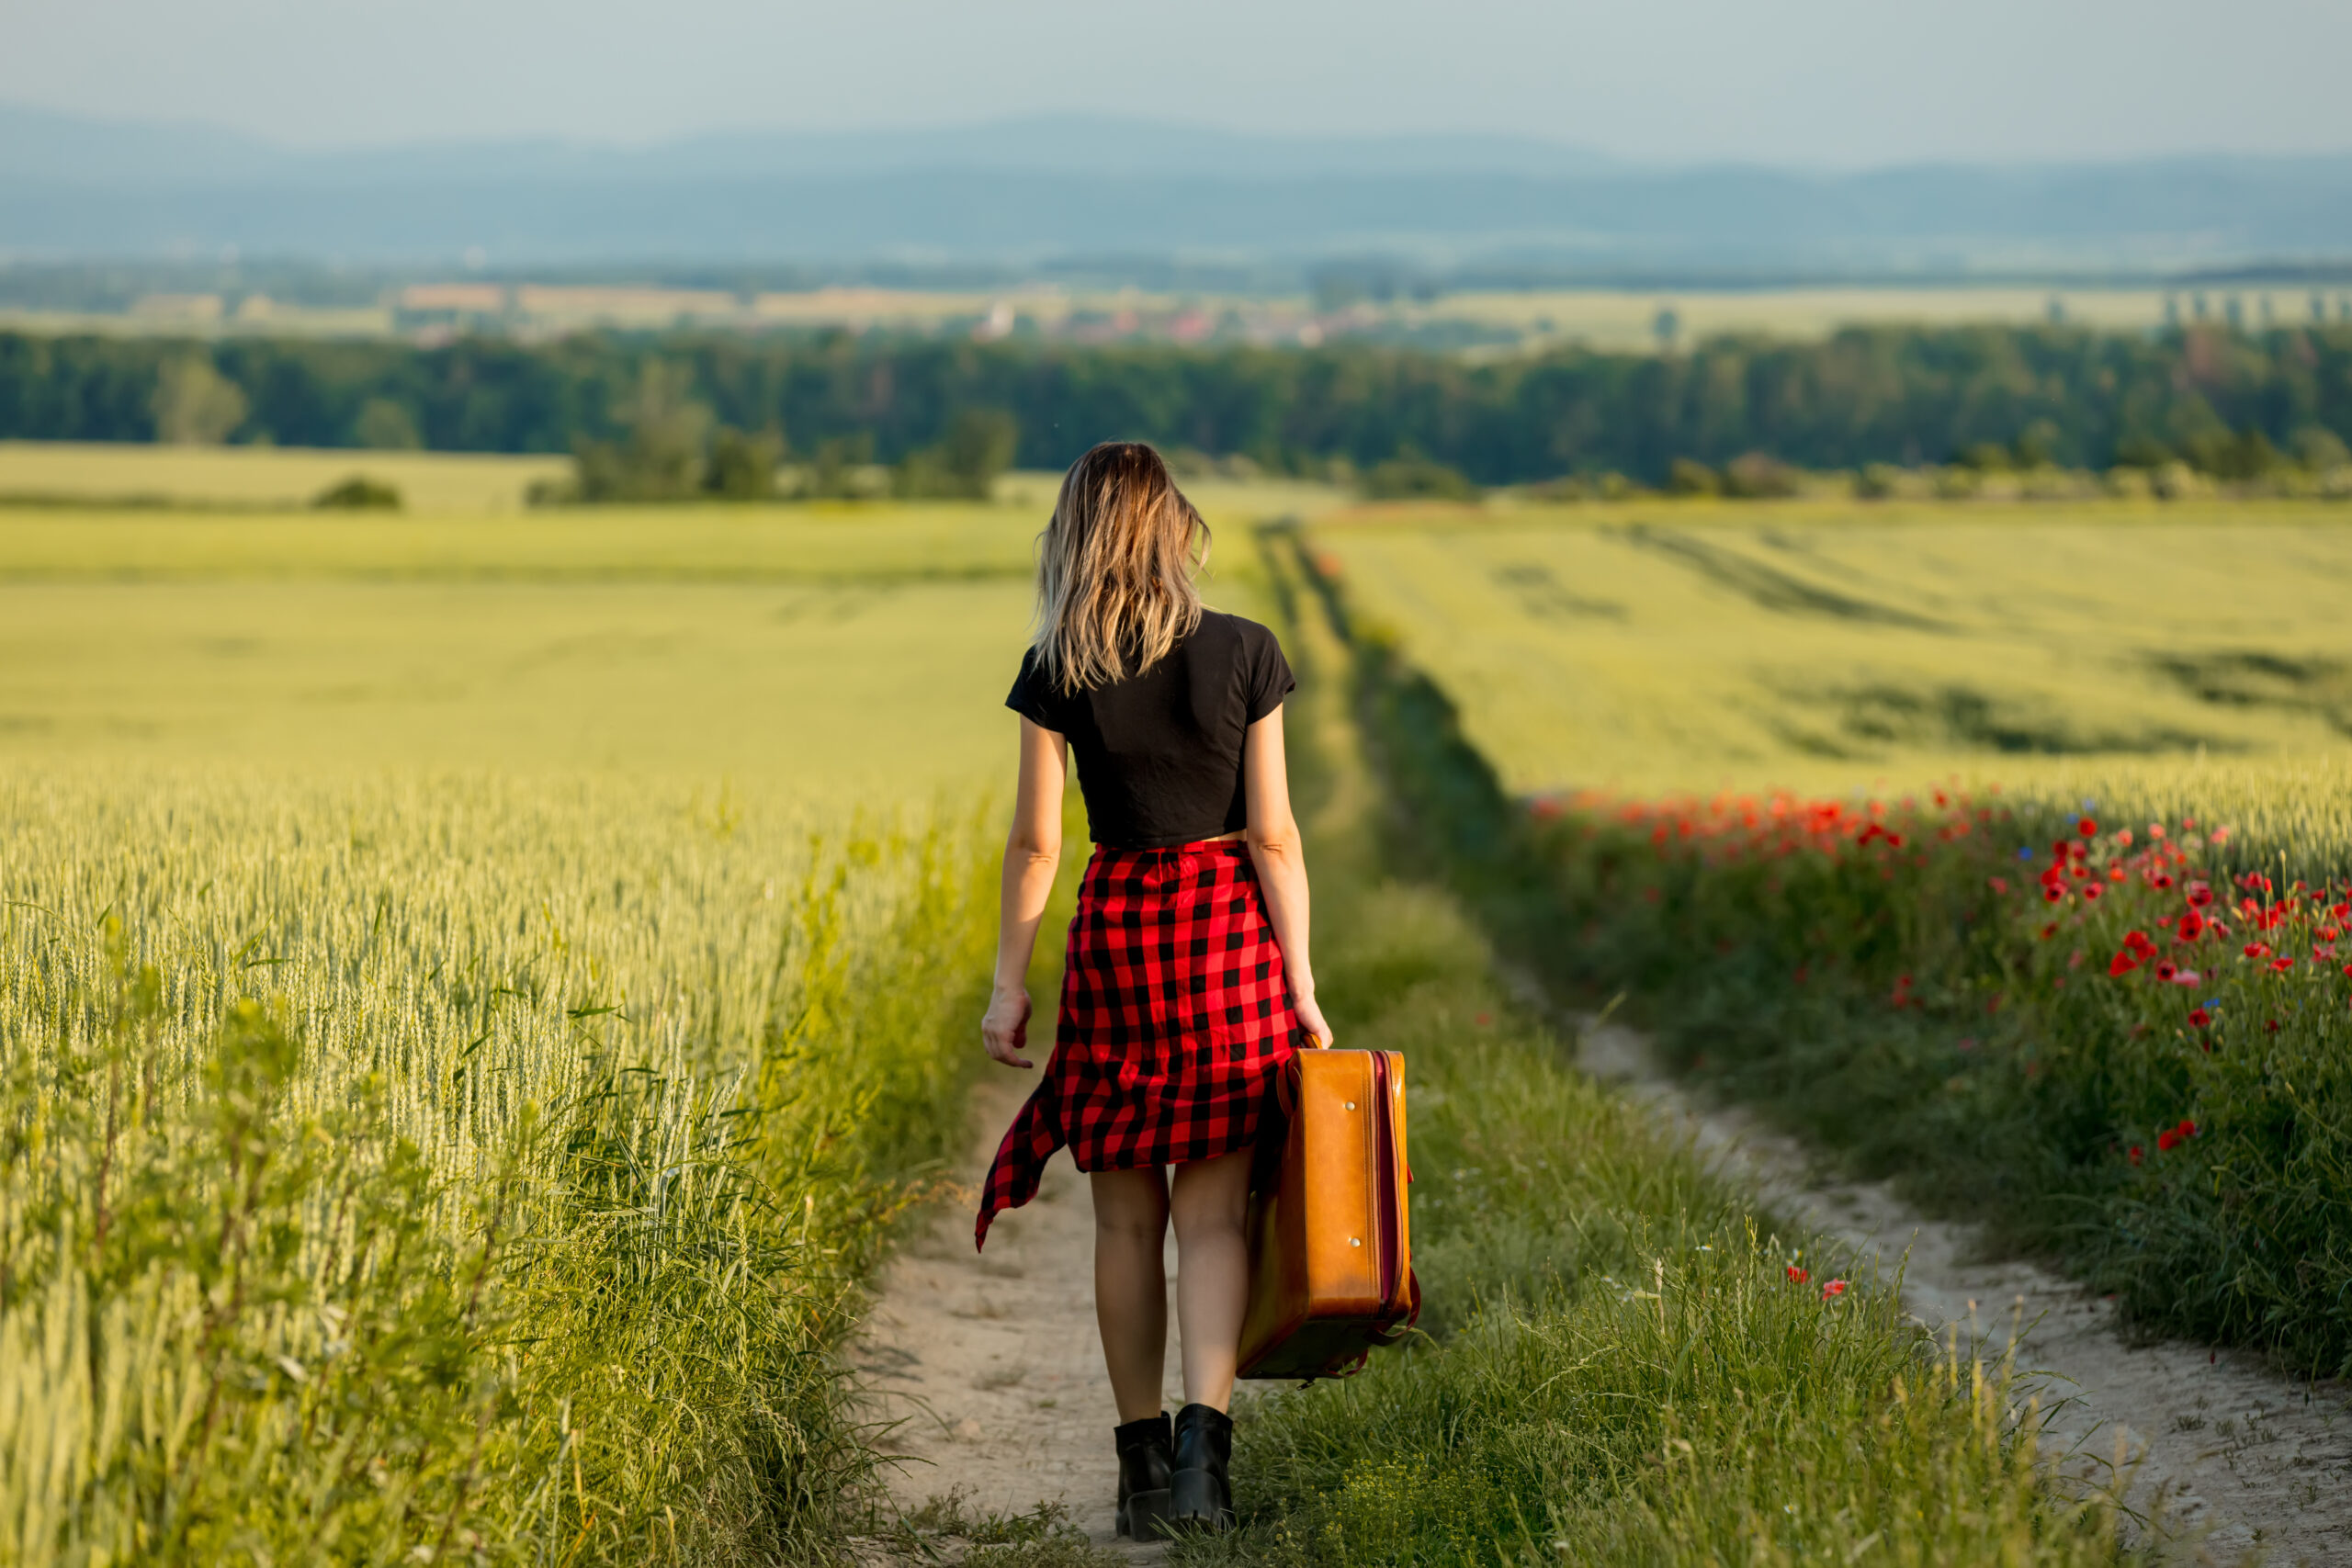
x=1147, y=1453
x=1200, y=1495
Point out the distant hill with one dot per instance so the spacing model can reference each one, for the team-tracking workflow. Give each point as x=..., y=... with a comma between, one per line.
x=1029, y=189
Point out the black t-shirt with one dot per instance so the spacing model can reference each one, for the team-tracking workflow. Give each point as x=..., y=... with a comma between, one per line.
x=1159, y=753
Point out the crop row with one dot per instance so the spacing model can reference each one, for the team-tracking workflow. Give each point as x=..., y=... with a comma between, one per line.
x=450, y=1169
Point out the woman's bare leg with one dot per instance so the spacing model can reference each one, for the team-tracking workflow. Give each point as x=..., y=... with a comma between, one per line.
x=1209, y=1199
x=1131, y=1285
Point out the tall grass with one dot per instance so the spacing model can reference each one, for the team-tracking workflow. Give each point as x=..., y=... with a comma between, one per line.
x=452, y=1169
x=1624, y=1361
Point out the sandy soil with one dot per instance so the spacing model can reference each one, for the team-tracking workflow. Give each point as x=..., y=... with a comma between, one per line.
x=2228, y=1453
x=989, y=1362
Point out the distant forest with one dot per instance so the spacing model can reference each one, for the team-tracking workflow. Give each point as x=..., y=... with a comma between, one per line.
x=2070, y=395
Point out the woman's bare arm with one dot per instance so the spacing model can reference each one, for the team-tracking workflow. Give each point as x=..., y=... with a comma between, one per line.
x=1033, y=852
x=1272, y=837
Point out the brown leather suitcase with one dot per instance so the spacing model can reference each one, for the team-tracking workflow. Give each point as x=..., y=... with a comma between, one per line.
x=1331, y=1243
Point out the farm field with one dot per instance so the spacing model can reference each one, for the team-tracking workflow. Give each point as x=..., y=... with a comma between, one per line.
x=843, y=651
x=457, y=972
x=1702, y=646
x=246, y=475
x=2005, y=854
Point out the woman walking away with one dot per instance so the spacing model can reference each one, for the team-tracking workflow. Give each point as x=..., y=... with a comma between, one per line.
x=1187, y=977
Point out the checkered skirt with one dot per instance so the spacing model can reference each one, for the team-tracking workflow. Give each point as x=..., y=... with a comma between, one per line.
x=1175, y=1022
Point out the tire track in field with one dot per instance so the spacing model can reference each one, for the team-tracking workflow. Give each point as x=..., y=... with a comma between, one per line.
x=2232, y=1457
x=989, y=1363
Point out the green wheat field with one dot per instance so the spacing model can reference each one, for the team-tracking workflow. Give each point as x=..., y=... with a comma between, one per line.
x=481, y=988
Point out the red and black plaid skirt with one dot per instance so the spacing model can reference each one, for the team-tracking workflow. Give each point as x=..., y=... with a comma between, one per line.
x=1175, y=1022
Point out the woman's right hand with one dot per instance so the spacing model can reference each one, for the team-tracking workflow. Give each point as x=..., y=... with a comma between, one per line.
x=1005, y=1029
x=1310, y=1019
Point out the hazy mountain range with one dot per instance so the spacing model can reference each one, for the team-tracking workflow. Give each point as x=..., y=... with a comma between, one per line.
x=1055, y=186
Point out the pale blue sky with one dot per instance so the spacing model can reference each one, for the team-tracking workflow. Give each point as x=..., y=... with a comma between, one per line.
x=1841, y=82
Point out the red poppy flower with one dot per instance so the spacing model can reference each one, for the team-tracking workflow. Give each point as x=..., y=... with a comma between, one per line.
x=2138, y=1154
x=2342, y=911
x=1998, y=884
x=2122, y=963
x=2199, y=895
x=2186, y=1131
x=1798, y=1276
x=2282, y=965
x=1833, y=1290
x=2091, y=890
x=2124, y=838
x=2052, y=893
x=2166, y=1139
x=2257, y=950
x=2271, y=1025
x=2166, y=969
x=2200, y=1018
x=2138, y=941
x=2190, y=926
x=2086, y=827
x=2163, y=879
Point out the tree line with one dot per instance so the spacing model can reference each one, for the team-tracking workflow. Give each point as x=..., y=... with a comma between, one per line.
x=2212, y=397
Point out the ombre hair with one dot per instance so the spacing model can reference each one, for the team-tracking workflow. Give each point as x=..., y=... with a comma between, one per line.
x=1114, y=569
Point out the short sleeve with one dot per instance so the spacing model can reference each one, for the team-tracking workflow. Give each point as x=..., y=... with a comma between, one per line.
x=1269, y=677
x=1033, y=695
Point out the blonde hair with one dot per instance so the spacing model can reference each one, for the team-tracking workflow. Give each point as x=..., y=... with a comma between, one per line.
x=1114, y=569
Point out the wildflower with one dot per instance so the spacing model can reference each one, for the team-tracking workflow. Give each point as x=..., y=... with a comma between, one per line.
x=2087, y=828
x=1967, y=1043
x=2091, y=890
x=1833, y=1290
x=2050, y=930
x=2271, y=1025
x=2167, y=971
x=1798, y=1276
x=2280, y=966
x=2199, y=895
x=2138, y=1154
x=2187, y=977
x=2190, y=926
x=2052, y=893
x=2123, y=963
x=2257, y=950
x=2124, y=838
x=2198, y=1018
x=2186, y=1131
x=1484, y=1019
x=2166, y=1139
x=1998, y=884
x=2156, y=829
x=2025, y=852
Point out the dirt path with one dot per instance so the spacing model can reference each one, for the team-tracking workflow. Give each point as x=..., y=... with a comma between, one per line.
x=2224, y=1445
x=990, y=1361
